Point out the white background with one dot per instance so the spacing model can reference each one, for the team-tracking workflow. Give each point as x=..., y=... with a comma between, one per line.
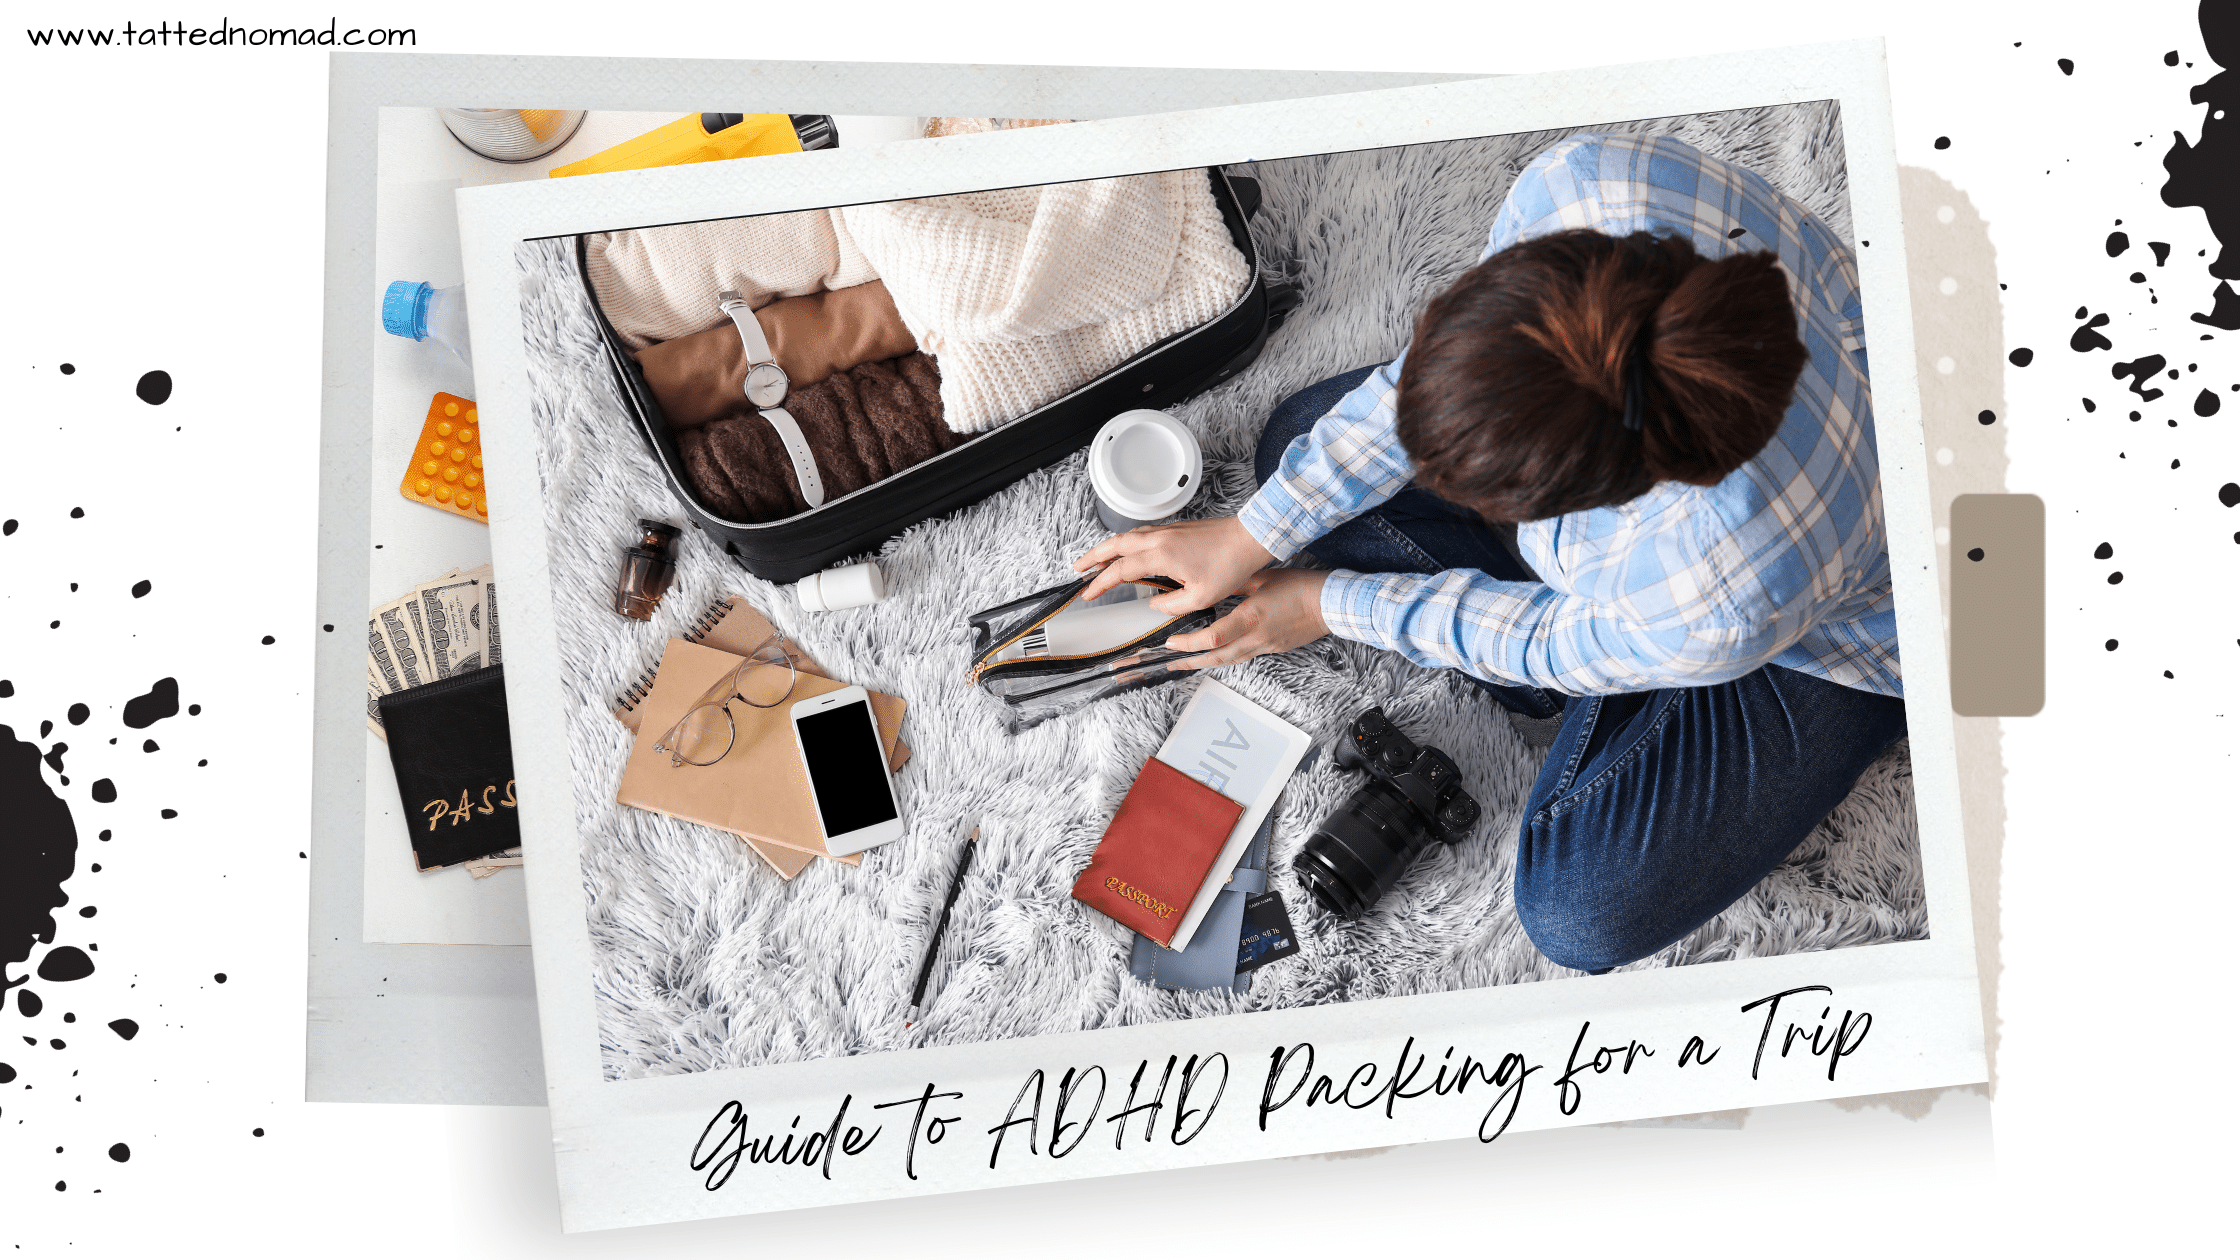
x=167, y=210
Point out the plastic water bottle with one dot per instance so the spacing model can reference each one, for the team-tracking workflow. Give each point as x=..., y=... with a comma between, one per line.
x=419, y=310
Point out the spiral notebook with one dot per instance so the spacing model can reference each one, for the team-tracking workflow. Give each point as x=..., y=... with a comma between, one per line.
x=730, y=624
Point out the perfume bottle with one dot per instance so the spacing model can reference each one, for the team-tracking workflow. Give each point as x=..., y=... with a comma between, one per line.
x=647, y=570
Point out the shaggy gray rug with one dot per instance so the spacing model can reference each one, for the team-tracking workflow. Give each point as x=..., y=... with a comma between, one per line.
x=706, y=959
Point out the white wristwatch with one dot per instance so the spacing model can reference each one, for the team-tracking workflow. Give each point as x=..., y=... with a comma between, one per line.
x=767, y=385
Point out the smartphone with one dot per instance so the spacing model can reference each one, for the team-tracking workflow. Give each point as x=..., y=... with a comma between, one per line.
x=839, y=742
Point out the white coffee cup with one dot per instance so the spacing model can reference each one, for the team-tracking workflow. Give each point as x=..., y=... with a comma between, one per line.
x=1145, y=467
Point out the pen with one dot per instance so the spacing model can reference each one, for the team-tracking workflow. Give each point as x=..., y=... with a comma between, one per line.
x=940, y=925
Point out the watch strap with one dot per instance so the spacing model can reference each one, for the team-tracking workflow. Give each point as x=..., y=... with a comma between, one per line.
x=797, y=449
x=750, y=328
x=789, y=431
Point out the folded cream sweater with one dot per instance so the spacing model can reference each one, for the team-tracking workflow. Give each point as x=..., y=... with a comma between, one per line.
x=1024, y=295
x=660, y=283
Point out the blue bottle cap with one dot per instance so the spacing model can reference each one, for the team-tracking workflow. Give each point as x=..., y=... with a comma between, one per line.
x=404, y=308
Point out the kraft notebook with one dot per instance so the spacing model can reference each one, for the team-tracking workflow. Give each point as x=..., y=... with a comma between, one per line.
x=731, y=624
x=759, y=790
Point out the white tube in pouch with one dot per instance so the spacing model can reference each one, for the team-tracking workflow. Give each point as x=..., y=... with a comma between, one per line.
x=851, y=586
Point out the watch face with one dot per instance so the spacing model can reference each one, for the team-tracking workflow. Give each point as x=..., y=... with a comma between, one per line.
x=766, y=384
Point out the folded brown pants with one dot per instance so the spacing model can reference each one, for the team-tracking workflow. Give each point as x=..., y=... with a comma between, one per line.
x=703, y=377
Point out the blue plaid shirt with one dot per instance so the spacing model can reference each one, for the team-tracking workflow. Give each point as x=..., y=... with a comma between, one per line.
x=1784, y=561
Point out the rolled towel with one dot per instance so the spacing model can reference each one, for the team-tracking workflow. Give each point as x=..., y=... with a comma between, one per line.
x=702, y=377
x=1025, y=295
x=658, y=284
x=863, y=425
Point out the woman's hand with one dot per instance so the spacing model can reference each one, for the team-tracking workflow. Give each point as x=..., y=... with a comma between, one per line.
x=1212, y=558
x=1282, y=610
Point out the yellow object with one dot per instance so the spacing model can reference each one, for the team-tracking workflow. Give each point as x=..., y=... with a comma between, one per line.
x=687, y=140
x=442, y=447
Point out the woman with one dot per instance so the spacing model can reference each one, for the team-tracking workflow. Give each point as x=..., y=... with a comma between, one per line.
x=1656, y=375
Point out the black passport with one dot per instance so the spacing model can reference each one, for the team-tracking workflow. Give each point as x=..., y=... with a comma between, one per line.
x=453, y=754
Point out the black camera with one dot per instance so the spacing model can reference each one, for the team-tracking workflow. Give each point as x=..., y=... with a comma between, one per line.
x=1413, y=797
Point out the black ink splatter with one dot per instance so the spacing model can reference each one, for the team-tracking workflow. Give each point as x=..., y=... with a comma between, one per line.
x=2207, y=404
x=65, y=963
x=2208, y=175
x=120, y=1152
x=2117, y=243
x=1944, y=142
x=1986, y=417
x=142, y=587
x=2161, y=251
x=29, y=1004
x=162, y=701
x=38, y=852
x=124, y=1028
x=2141, y=371
x=1975, y=553
x=149, y=745
x=2103, y=551
x=69, y=369
x=154, y=388
x=104, y=791
x=2084, y=338
x=2089, y=407
x=7, y=1074
x=2225, y=311
x=78, y=714
x=268, y=640
x=2021, y=356
x=8, y=528
x=2227, y=494
x=77, y=514
x=2116, y=578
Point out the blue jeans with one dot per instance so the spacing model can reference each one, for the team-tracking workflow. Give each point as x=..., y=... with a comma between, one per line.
x=1655, y=810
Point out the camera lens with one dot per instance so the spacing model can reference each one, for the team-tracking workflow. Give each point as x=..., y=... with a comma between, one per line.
x=1360, y=851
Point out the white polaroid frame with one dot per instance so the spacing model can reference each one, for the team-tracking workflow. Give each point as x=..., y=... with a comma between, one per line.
x=388, y=1023
x=863, y=837
x=1476, y=1062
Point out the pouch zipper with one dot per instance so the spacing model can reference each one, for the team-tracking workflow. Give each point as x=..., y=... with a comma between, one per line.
x=986, y=664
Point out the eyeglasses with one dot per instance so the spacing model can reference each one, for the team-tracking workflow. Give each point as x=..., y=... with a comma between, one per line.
x=705, y=734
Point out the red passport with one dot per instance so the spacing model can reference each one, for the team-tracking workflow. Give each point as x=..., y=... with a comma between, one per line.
x=1157, y=852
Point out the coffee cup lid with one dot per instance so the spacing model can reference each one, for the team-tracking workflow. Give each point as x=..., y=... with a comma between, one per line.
x=1145, y=464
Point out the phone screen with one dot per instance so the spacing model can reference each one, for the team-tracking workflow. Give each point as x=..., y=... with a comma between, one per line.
x=841, y=747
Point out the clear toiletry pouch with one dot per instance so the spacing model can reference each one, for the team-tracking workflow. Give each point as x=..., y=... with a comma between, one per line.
x=1050, y=653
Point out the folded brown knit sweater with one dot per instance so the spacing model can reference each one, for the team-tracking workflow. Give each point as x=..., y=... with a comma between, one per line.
x=703, y=376
x=864, y=425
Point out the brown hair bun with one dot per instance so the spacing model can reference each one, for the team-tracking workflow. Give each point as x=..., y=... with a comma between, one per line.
x=1513, y=397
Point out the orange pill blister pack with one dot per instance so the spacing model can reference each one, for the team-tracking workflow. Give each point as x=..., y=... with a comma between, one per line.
x=446, y=468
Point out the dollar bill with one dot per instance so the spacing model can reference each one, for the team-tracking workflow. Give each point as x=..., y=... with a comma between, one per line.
x=490, y=651
x=380, y=665
x=418, y=623
x=392, y=627
x=374, y=692
x=483, y=868
x=451, y=611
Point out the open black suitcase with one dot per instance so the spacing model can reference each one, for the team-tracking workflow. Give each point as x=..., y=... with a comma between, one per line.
x=1166, y=373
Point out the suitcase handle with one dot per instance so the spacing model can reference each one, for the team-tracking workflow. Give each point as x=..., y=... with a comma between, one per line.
x=1247, y=190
